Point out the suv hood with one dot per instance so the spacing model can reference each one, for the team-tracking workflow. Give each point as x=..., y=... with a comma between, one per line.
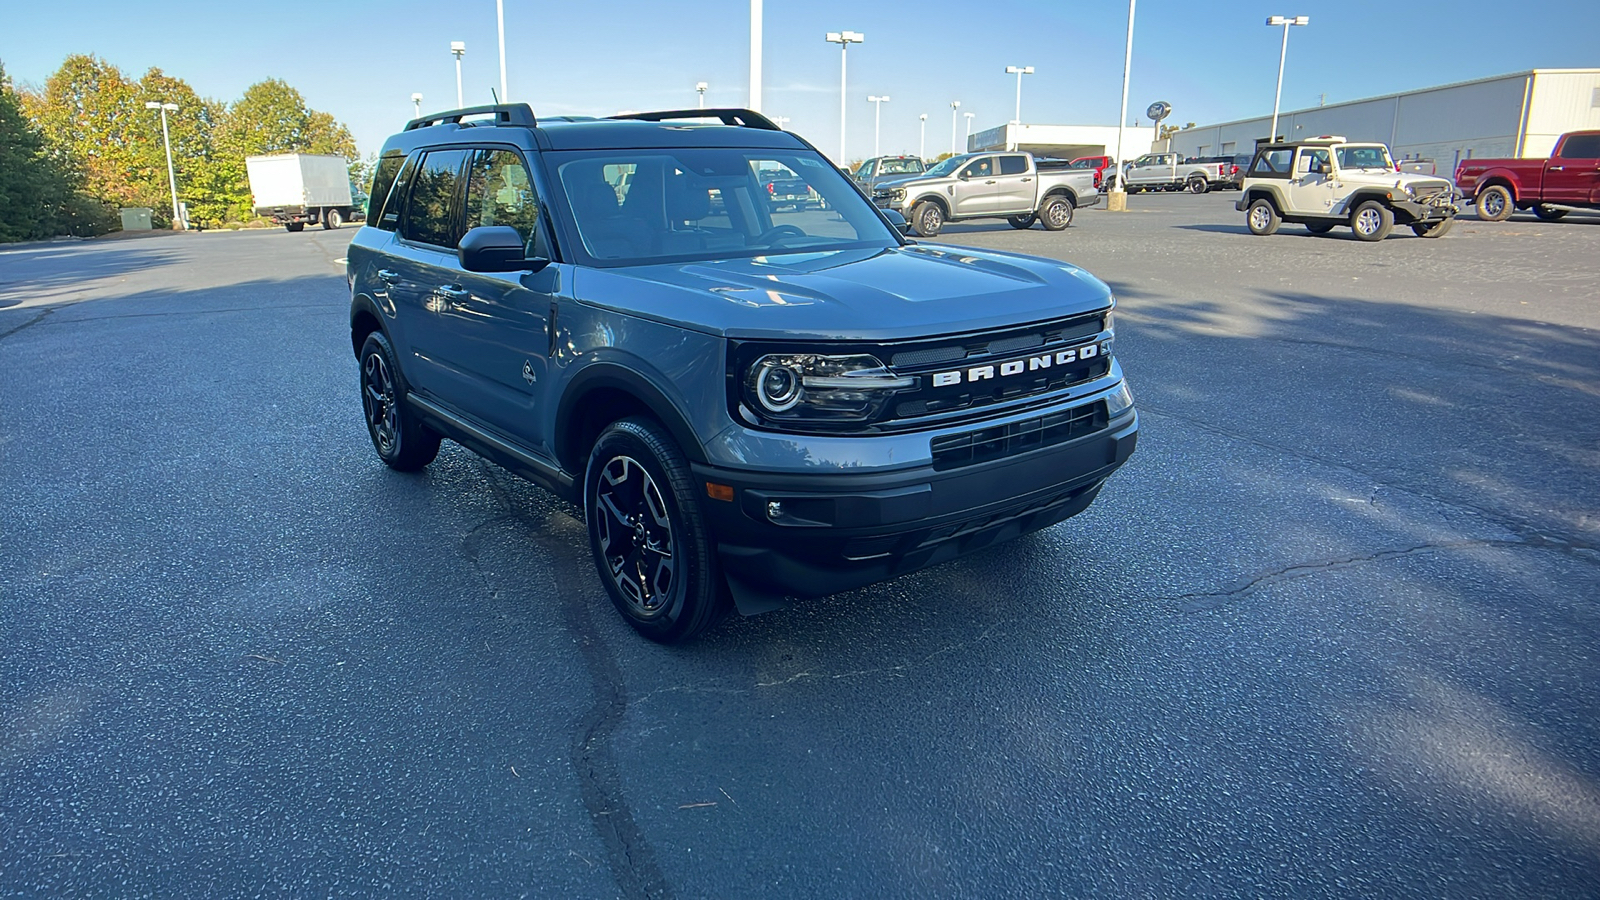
x=843, y=295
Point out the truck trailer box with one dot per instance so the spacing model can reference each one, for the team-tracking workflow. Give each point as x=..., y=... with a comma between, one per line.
x=294, y=189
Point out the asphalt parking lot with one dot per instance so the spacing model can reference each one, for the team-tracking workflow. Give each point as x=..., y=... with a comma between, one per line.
x=1332, y=632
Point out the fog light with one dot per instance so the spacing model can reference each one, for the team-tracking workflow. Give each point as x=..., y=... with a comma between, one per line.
x=774, y=510
x=1119, y=401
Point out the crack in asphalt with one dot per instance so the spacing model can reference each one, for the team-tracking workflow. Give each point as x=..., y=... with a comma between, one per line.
x=632, y=860
x=1530, y=531
x=1201, y=602
x=45, y=313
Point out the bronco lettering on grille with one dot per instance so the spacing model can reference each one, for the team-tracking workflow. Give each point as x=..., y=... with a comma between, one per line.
x=1017, y=366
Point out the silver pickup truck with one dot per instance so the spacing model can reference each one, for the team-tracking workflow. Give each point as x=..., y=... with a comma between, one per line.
x=1165, y=172
x=995, y=185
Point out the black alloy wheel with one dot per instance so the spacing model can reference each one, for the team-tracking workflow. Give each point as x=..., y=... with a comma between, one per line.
x=650, y=543
x=402, y=442
x=1022, y=222
x=1198, y=185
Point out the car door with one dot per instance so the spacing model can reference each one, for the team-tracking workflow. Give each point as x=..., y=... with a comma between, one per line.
x=1573, y=175
x=1149, y=170
x=495, y=325
x=1310, y=188
x=974, y=191
x=1017, y=185
x=423, y=264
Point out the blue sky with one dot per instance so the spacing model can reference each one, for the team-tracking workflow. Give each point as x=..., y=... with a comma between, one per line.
x=1213, y=60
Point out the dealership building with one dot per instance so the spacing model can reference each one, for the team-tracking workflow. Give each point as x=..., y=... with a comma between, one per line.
x=1521, y=114
x=1064, y=141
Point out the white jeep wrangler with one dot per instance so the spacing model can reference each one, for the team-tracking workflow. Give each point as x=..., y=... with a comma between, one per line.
x=1326, y=181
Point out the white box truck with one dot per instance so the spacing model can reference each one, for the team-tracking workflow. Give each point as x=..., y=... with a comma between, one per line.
x=293, y=189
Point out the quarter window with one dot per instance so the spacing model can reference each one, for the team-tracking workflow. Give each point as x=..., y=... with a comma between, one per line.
x=430, y=214
x=382, y=180
x=1272, y=163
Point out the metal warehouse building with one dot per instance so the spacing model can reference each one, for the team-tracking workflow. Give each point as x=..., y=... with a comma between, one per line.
x=1520, y=114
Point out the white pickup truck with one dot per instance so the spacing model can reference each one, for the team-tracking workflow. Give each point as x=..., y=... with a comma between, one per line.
x=1166, y=172
x=1010, y=185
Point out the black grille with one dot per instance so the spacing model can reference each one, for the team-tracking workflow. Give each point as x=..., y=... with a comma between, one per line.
x=982, y=346
x=984, y=444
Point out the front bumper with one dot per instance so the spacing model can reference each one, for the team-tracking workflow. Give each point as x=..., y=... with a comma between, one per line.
x=838, y=530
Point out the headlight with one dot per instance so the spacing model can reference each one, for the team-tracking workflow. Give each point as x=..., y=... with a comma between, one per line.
x=808, y=387
x=897, y=194
x=1119, y=400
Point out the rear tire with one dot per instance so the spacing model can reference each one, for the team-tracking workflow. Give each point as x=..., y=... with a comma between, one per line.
x=1056, y=214
x=294, y=226
x=1023, y=222
x=1372, y=221
x=402, y=442
x=1495, y=204
x=332, y=219
x=1548, y=213
x=1433, y=229
x=648, y=535
x=928, y=219
x=1262, y=217
x=1198, y=185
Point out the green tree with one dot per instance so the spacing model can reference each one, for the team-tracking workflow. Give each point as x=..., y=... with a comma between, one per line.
x=272, y=117
x=39, y=196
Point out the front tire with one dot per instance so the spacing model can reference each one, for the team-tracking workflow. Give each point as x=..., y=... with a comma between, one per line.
x=1495, y=204
x=1548, y=213
x=1198, y=185
x=1433, y=229
x=402, y=441
x=928, y=218
x=1023, y=222
x=1056, y=214
x=648, y=535
x=1262, y=217
x=1372, y=221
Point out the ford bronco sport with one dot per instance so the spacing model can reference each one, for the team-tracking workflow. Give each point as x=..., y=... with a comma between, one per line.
x=749, y=404
x=1326, y=181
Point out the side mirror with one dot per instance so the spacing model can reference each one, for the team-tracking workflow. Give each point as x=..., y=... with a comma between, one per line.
x=964, y=176
x=897, y=220
x=495, y=248
x=1317, y=167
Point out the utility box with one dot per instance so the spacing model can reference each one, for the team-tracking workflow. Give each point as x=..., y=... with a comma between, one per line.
x=136, y=219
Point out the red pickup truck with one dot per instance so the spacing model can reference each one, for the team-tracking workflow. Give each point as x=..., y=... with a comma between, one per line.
x=1549, y=187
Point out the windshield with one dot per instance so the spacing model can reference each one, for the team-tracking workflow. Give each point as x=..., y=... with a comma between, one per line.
x=950, y=165
x=900, y=167
x=1370, y=156
x=646, y=206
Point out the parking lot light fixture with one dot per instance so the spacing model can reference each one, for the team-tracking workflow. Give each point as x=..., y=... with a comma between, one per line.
x=1117, y=200
x=922, y=138
x=1286, y=22
x=458, y=49
x=877, y=120
x=955, y=107
x=700, y=88
x=1018, y=71
x=844, y=39
x=172, y=178
x=416, y=104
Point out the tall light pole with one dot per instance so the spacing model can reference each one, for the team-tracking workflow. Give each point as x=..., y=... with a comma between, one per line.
x=877, y=120
x=955, y=106
x=780, y=121
x=172, y=179
x=416, y=103
x=966, y=139
x=844, y=39
x=1118, y=200
x=500, y=21
x=700, y=88
x=1018, y=71
x=1285, y=21
x=922, y=138
x=457, y=49
x=755, y=55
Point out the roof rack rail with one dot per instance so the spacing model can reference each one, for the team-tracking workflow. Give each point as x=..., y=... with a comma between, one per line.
x=739, y=118
x=504, y=114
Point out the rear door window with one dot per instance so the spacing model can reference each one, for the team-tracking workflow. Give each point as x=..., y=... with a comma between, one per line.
x=430, y=214
x=1272, y=163
x=1013, y=165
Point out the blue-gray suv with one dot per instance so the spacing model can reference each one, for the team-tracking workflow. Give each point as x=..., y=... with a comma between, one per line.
x=752, y=400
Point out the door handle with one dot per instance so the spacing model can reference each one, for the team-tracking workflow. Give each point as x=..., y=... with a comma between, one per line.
x=1558, y=168
x=1025, y=180
x=388, y=275
x=452, y=293
x=990, y=181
